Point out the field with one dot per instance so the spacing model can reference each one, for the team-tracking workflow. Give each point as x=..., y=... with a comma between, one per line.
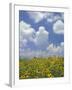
x=49, y=67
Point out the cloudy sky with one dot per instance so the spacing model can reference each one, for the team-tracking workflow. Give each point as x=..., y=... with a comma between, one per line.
x=41, y=34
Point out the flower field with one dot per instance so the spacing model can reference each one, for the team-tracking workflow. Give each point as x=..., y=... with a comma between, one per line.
x=49, y=67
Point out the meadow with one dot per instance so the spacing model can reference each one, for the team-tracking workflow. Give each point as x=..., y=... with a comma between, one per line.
x=49, y=67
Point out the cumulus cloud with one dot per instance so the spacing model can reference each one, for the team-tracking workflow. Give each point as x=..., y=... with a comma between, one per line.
x=41, y=39
x=23, y=43
x=25, y=52
x=57, y=17
x=58, y=27
x=26, y=30
x=51, y=50
x=28, y=34
x=36, y=16
x=56, y=50
x=52, y=17
x=23, y=25
x=49, y=16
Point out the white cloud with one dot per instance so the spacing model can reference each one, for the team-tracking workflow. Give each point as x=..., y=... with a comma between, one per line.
x=28, y=34
x=49, y=16
x=62, y=44
x=33, y=53
x=53, y=18
x=25, y=52
x=41, y=37
x=53, y=48
x=26, y=31
x=57, y=17
x=50, y=20
x=58, y=27
x=23, y=43
x=36, y=16
x=51, y=51
x=24, y=26
x=56, y=50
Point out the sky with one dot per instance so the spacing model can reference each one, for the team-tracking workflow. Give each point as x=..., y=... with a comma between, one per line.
x=41, y=34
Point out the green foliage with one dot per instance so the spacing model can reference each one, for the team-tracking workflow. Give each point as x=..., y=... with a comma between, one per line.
x=41, y=68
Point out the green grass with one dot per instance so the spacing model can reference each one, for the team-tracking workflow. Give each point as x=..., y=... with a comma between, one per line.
x=41, y=67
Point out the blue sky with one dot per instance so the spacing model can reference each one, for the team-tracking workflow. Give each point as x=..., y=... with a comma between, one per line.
x=41, y=33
